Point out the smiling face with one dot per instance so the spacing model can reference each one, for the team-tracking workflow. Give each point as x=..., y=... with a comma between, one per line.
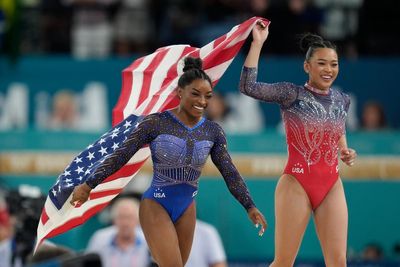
x=194, y=98
x=322, y=68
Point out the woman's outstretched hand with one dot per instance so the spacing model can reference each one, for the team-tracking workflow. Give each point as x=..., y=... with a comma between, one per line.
x=348, y=156
x=260, y=32
x=258, y=219
x=80, y=194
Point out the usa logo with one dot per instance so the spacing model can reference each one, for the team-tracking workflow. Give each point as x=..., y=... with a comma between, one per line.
x=159, y=193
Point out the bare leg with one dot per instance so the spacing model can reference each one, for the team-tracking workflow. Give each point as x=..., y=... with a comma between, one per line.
x=331, y=220
x=292, y=214
x=185, y=230
x=160, y=234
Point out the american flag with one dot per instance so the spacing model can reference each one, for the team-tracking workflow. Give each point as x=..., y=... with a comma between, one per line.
x=148, y=86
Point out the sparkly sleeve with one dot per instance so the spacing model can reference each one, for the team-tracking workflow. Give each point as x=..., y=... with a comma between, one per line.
x=283, y=93
x=346, y=102
x=233, y=180
x=142, y=135
x=346, y=106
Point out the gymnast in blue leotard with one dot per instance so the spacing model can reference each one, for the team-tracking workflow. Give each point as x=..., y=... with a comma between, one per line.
x=180, y=141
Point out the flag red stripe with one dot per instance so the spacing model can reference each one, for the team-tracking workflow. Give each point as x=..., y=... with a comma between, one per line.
x=44, y=217
x=226, y=55
x=106, y=193
x=219, y=40
x=173, y=70
x=172, y=102
x=127, y=80
x=148, y=76
x=174, y=73
x=125, y=171
x=76, y=221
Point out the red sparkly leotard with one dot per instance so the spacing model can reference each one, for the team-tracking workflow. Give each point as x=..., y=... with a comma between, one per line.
x=314, y=124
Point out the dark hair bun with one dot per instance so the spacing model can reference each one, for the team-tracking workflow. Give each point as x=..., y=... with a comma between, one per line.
x=309, y=39
x=192, y=63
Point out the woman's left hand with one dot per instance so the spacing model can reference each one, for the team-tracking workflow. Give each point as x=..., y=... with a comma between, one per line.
x=80, y=194
x=258, y=219
x=348, y=156
x=260, y=31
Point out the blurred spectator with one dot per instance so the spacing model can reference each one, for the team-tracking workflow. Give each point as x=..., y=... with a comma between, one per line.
x=72, y=110
x=29, y=24
x=180, y=22
x=372, y=252
x=233, y=113
x=218, y=17
x=11, y=28
x=259, y=7
x=223, y=10
x=373, y=117
x=14, y=107
x=289, y=18
x=133, y=27
x=65, y=111
x=6, y=236
x=92, y=31
x=217, y=109
x=24, y=206
x=207, y=249
x=123, y=243
x=55, y=26
x=378, y=25
x=340, y=23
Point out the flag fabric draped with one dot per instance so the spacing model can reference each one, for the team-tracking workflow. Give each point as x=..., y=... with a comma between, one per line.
x=148, y=86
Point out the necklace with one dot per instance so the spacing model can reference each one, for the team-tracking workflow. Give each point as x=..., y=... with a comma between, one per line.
x=316, y=90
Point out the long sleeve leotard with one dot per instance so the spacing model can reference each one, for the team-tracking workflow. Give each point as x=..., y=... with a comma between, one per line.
x=313, y=123
x=178, y=153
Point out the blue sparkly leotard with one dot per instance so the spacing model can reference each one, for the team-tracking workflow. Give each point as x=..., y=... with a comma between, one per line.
x=178, y=153
x=314, y=123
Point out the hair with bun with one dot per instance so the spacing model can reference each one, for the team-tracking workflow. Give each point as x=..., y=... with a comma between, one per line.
x=192, y=70
x=310, y=42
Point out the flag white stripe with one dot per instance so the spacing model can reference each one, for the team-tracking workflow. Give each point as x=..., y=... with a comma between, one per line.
x=140, y=156
x=137, y=78
x=114, y=184
x=216, y=72
x=68, y=212
x=205, y=50
x=167, y=92
x=240, y=37
x=166, y=63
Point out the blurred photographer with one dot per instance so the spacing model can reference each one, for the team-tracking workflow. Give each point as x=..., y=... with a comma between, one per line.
x=19, y=215
x=6, y=235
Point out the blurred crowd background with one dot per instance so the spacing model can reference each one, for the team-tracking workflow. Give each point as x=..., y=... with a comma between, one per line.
x=125, y=29
x=103, y=28
x=60, y=76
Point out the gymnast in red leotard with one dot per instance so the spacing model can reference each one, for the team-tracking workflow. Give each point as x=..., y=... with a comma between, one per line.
x=314, y=115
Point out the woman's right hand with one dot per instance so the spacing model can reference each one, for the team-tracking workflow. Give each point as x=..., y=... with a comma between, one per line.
x=260, y=32
x=258, y=219
x=80, y=194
